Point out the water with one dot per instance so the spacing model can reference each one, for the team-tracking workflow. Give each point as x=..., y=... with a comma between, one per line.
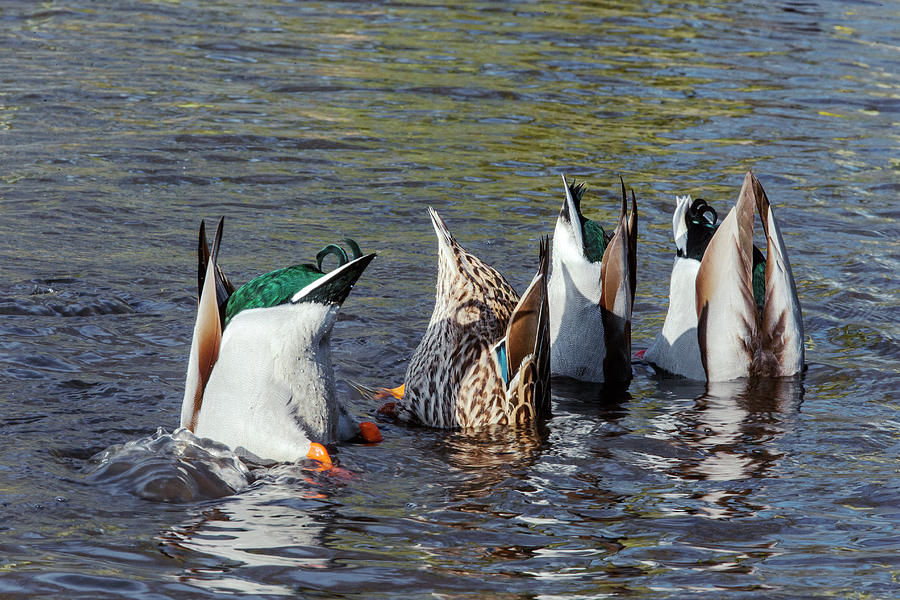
x=123, y=124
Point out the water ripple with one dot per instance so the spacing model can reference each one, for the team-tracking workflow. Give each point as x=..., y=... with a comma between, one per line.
x=170, y=467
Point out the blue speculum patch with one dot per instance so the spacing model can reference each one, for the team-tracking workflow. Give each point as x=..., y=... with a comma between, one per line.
x=500, y=351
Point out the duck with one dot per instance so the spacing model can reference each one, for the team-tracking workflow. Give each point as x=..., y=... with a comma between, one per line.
x=733, y=312
x=591, y=289
x=260, y=376
x=484, y=359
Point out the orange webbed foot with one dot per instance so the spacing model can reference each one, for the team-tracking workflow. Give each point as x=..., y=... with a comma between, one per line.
x=396, y=393
x=318, y=452
x=369, y=433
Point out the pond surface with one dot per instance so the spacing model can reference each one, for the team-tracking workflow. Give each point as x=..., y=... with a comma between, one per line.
x=123, y=124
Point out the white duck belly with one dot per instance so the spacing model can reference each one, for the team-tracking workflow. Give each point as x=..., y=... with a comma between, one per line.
x=675, y=349
x=577, y=345
x=272, y=388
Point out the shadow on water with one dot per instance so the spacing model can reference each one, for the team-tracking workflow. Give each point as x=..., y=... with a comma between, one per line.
x=609, y=401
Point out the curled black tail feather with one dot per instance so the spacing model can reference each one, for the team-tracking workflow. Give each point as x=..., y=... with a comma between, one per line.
x=702, y=222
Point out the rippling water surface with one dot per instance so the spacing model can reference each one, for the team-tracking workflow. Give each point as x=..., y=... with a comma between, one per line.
x=123, y=124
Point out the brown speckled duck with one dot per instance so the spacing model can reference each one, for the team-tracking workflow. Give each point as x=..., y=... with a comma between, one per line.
x=485, y=357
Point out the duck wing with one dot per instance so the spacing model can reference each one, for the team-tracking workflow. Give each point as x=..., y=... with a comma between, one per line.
x=528, y=349
x=727, y=328
x=205, y=346
x=781, y=334
x=617, y=298
x=632, y=242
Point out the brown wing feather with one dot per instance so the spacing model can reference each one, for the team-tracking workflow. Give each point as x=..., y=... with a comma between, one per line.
x=206, y=342
x=527, y=319
x=528, y=347
x=616, y=301
x=781, y=330
x=727, y=319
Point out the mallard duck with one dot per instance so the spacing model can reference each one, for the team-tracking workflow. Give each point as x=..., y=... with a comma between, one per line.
x=485, y=357
x=591, y=292
x=732, y=311
x=260, y=374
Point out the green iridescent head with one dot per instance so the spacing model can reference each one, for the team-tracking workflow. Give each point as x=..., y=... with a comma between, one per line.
x=302, y=283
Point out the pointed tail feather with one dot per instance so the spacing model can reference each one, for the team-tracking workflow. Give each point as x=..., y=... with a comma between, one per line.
x=727, y=327
x=781, y=332
x=224, y=287
x=570, y=212
x=204, y=350
x=451, y=255
x=445, y=238
x=202, y=258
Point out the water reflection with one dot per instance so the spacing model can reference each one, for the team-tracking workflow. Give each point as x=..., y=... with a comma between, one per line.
x=585, y=413
x=272, y=526
x=733, y=429
x=488, y=457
